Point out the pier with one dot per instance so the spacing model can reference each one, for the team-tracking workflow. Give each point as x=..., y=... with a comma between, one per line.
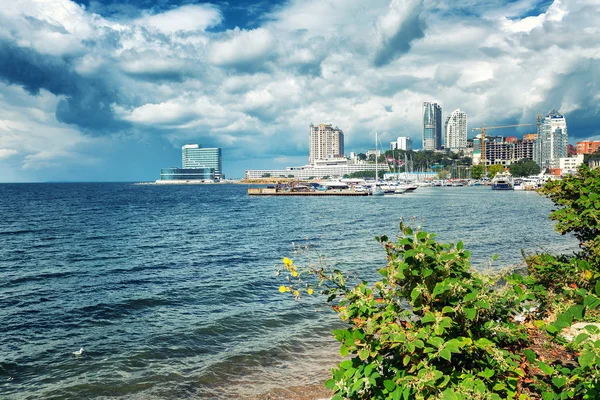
x=280, y=192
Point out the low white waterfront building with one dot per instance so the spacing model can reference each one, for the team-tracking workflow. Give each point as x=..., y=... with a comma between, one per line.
x=333, y=168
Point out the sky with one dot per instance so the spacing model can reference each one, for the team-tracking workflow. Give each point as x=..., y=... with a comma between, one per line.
x=109, y=90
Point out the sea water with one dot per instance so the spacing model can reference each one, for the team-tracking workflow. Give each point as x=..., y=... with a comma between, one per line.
x=171, y=290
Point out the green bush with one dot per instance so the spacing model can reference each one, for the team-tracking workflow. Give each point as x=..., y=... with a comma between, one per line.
x=432, y=328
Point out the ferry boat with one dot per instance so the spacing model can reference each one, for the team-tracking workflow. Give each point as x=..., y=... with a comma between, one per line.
x=503, y=181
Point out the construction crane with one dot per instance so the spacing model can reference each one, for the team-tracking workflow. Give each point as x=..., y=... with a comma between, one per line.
x=483, y=129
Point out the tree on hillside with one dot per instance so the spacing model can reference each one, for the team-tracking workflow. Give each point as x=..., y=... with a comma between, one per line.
x=495, y=169
x=361, y=156
x=477, y=171
x=443, y=174
x=524, y=167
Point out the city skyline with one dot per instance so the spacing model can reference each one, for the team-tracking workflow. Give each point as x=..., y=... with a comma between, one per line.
x=104, y=90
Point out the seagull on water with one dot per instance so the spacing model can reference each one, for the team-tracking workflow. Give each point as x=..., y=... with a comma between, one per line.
x=78, y=352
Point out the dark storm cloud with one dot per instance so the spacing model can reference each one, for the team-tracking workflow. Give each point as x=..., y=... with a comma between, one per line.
x=394, y=45
x=578, y=87
x=87, y=100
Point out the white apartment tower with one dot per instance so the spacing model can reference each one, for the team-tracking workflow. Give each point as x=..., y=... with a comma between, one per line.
x=552, y=140
x=403, y=143
x=326, y=142
x=455, y=131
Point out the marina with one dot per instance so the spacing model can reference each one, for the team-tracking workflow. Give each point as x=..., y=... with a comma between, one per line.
x=277, y=192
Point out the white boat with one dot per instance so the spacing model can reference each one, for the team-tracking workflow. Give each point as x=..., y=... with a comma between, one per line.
x=503, y=181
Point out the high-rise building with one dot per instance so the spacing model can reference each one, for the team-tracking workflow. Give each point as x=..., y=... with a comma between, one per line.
x=432, y=126
x=194, y=156
x=455, y=138
x=326, y=142
x=552, y=141
x=403, y=143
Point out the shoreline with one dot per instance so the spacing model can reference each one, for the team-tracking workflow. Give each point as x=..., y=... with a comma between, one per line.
x=302, y=392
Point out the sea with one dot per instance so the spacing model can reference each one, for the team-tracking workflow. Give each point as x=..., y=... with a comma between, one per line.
x=172, y=292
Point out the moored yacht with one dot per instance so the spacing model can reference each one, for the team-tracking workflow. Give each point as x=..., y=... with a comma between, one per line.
x=503, y=181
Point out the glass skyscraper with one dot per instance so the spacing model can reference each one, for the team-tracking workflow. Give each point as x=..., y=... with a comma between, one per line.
x=432, y=126
x=194, y=156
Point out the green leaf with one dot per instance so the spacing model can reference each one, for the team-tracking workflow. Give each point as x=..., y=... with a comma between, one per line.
x=414, y=295
x=346, y=364
x=483, y=304
x=445, y=354
x=586, y=358
x=548, y=370
x=363, y=354
x=547, y=396
x=597, y=289
x=454, y=345
x=577, y=311
x=390, y=385
x=530, y=354
x=551, y=329
x=436, y=341
x=581, y=337
x=449, y=394
x=330, y=384
x=470, y=313
x=559, y=381
x=429, y=317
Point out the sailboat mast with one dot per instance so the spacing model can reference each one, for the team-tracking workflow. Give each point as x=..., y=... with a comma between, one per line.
x=376, y=171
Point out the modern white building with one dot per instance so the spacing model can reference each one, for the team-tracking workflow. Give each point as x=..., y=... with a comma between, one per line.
x=552, y=142
x=402, y=143
x=569, y=165
x=325, y=142
x=196, y=156
x=455, y=131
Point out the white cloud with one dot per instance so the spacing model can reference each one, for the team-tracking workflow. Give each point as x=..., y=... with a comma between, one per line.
x=242, y=48
x=188, y=18
x=30, y=133
x=361, y=66
x=5, y=153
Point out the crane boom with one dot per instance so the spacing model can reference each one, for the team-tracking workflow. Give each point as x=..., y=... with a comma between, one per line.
x=483, y=129
x=499, y=126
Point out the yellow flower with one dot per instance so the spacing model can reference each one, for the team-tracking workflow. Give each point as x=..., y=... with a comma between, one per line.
x=296, y=293
x=282, y=289
x=288, y=289
x=294, y=273
x=287, y=262
x=310, y=291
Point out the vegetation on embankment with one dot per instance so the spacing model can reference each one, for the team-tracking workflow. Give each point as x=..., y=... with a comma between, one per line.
x=433, y=328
